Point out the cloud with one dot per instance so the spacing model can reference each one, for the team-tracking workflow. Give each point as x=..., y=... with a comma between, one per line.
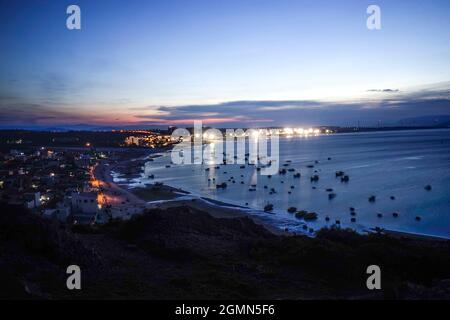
x=384, y=90
x=389, y=109
x=35, y=114
x=370, y=110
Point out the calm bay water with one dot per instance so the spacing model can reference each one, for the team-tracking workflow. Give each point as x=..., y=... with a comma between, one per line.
x=384, y=164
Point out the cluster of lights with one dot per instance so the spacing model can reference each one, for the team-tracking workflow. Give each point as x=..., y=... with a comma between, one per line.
x=300, y=131
x=256, y=133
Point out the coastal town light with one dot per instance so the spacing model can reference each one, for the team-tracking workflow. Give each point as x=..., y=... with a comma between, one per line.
x=288, y=131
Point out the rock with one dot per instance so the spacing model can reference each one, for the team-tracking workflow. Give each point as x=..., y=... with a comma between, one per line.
x=372, y=199
x=292, y=210
x=332, y=196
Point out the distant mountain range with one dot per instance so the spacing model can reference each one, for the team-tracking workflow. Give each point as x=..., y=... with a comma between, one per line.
x=424, y=121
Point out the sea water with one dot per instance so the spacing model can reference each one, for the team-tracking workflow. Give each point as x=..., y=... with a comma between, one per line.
x=384, y=164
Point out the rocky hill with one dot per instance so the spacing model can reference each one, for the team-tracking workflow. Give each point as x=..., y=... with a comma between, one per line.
x=183, y=253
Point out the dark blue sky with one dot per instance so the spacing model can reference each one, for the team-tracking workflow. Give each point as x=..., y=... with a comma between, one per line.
x=246, y=62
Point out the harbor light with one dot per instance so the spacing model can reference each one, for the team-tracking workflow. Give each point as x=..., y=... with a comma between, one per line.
x=288, y=131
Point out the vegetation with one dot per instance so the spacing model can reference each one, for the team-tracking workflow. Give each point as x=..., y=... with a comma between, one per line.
x=182, y=252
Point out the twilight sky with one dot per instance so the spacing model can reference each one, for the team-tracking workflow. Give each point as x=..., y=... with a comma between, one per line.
x=227, y=62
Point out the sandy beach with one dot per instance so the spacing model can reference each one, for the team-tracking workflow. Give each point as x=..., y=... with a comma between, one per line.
x=128, y=201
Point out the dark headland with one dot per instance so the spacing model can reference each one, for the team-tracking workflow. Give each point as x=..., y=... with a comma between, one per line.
x=182, y=252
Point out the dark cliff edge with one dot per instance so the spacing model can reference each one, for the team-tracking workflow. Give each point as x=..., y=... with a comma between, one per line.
x=182, y=253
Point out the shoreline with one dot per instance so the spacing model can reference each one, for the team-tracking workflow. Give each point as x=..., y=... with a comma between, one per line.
x=223, y=210
x=169, y=197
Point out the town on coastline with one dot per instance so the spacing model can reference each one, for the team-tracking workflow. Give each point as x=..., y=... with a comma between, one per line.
x=62, y=182
x=61, y=205
x=66, y=175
